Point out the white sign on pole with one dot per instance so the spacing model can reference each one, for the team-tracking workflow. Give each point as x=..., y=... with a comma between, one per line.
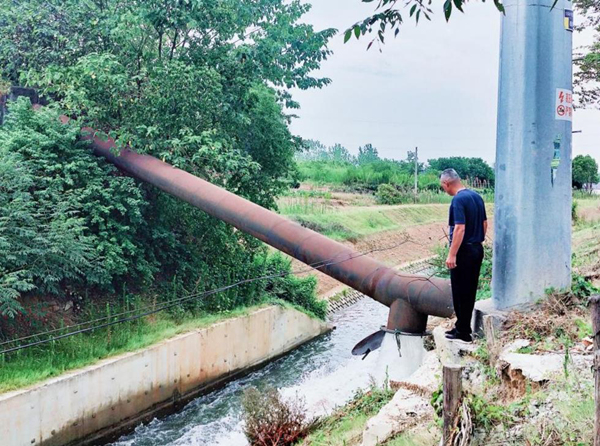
x=564, y=105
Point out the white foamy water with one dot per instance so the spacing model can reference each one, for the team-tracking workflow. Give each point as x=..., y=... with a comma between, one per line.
x=322, y=372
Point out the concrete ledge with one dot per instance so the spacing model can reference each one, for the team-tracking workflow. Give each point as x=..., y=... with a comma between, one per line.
x=83, y=406
x=450, y=352
x=486, y=308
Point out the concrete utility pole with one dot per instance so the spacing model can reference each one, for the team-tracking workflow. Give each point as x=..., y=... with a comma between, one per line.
x=416, y=173
x=532, y=248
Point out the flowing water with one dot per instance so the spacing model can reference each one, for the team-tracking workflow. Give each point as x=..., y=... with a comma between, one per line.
x=323, y=372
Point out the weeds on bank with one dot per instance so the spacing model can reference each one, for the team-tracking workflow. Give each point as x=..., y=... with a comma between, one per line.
x=557, y=322
x=345, y=425
x=564, y=414
x=354, y=223
x=25, y=367
x=488, y=367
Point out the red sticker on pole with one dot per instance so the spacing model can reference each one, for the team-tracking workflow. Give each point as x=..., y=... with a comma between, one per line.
x=564, y=105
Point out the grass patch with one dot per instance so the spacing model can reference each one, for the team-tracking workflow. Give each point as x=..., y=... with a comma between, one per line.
x=417, y=437
x=569, y=412
x=305, y=202
x=586, y=251
x=32, y=365
x=346, y=425
x=29, y=366
x=359, y=222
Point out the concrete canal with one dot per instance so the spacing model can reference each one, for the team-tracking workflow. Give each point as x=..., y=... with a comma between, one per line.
x=322, y=372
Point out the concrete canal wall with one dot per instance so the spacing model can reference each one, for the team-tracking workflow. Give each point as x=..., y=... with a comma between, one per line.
x=104, y=399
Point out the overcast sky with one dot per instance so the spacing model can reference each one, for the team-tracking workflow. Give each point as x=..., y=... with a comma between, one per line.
x=434, y=86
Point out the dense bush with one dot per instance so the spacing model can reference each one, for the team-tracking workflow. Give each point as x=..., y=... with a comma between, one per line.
x=388, y=194
x=67, y=219
x=296, y=290
x=272, y=421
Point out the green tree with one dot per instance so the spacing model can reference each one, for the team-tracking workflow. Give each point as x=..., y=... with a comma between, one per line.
x=340, y=154
x=312, y=150
x=585, y=172
x=66, y=219
x=201, y=84
x=317, y=151
x=410, y=162
x=587, y=76
x=367, y=154
x=471, y=168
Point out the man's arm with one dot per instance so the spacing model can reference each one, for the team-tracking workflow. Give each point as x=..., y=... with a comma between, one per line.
x=485, y=226
x=457, y=238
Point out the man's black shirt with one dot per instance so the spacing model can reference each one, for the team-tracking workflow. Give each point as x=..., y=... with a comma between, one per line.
x=468, y=208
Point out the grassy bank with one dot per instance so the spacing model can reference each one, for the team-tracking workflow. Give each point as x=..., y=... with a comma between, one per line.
x=345, y=426
x=26, y=367
x=356, y=222
x=32, y=365
x=359, y=222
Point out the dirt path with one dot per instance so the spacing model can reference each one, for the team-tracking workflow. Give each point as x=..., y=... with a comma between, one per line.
x=420, y=243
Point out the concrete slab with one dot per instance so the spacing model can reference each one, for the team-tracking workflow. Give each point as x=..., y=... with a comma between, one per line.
x=486, y=308
x=409, y=406
x=450, y=352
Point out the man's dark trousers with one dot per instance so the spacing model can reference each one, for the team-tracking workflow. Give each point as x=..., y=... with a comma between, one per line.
x=464, y=279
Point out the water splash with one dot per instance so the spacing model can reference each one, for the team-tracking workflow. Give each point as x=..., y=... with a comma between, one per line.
x=400, y=356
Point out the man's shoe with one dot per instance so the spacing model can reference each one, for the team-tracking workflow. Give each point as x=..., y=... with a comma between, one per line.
x=452, y=332
x=459, y=337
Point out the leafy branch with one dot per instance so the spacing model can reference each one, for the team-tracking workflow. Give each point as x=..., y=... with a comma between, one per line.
x=388, y=16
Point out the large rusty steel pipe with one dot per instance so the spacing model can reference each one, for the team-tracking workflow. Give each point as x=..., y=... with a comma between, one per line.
x=410, y=297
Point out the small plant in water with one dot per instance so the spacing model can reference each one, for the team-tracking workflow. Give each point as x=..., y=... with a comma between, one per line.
x=270, y=420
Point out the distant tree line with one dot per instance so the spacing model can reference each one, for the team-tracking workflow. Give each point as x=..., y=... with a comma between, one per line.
x=467, y=168
x=336, y=164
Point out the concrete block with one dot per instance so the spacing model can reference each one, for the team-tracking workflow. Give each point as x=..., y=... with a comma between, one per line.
x=409, y=406
x=448, y=351
x=486, y=308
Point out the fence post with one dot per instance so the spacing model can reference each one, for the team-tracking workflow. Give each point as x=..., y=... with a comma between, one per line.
x=490, y=338
x=595, y=305
x=452, y=389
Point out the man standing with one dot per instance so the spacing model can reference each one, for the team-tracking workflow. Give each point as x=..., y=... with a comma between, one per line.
x=468, y=226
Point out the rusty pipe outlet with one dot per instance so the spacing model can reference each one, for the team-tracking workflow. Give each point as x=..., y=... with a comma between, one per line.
x=411, y=298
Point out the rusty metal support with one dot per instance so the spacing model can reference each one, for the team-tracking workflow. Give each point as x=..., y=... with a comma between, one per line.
x=410, y=297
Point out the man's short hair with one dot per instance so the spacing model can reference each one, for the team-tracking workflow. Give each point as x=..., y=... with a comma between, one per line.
x=449, y=175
